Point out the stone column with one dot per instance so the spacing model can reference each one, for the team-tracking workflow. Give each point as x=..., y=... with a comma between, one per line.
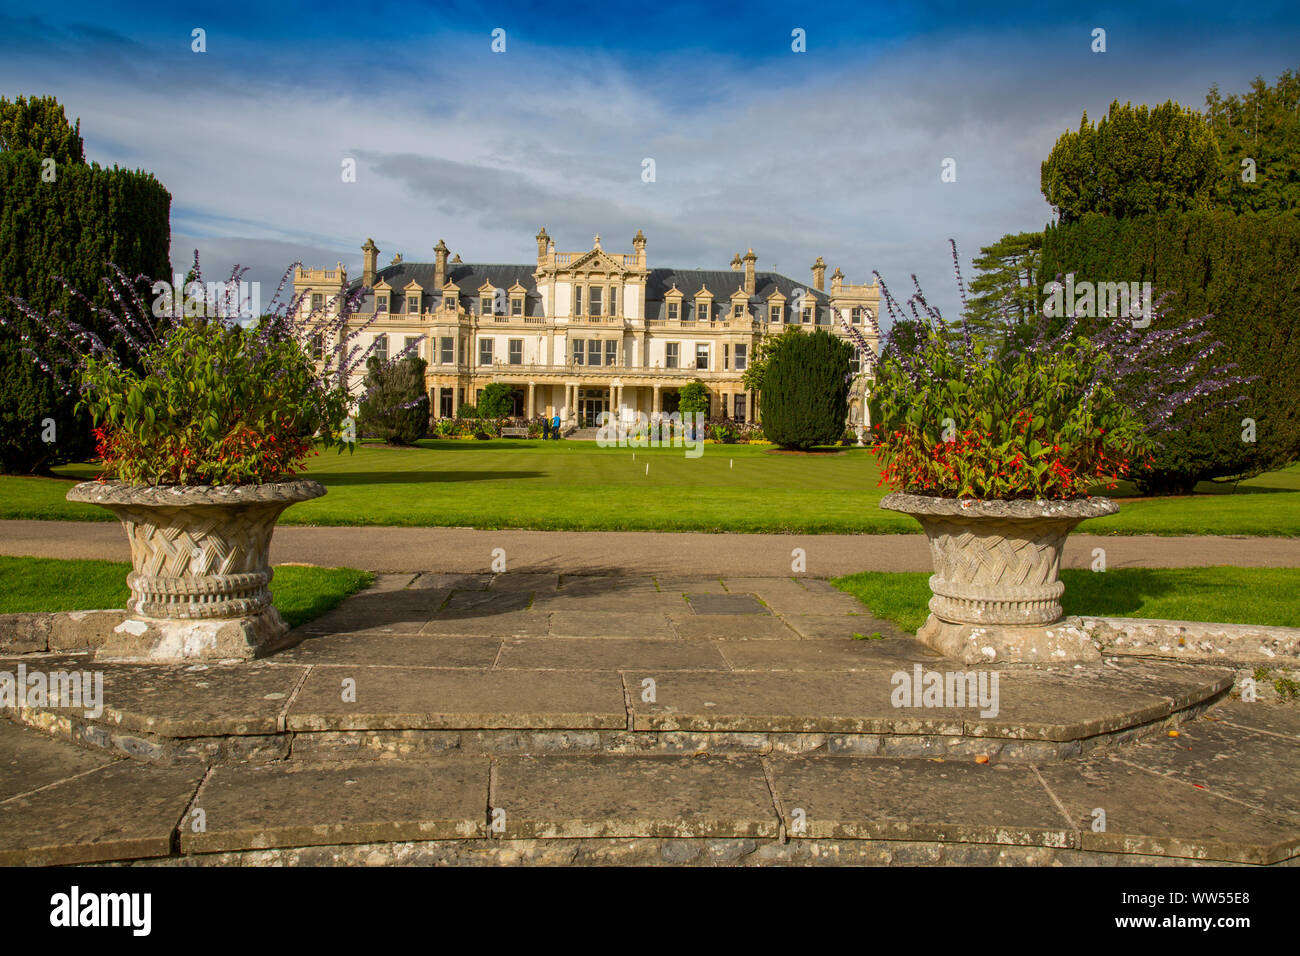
x=530, y=400
x=658, y=405
x=455, y=400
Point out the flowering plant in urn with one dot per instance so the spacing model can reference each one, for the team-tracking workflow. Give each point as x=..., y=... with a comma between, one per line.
x=995, y=448
x=202, y=417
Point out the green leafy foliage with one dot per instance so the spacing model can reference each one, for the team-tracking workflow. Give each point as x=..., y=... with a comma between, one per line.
x=1135, y=161
x=67, y=228
x=40, y=125
x=1038, y=425
x=396, y=406
x=1243, y=271
x=497, y=400
x=757, y=369
x=213, y=403
x=806, y=390
x=1259, y=138
x=1004, y=292
x=693, y=397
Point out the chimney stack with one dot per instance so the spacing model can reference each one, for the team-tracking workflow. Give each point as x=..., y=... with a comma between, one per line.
x=440, y=266
x=638, y=243
x=750, y=281
x=543, y=241
x=735, y=263
x=819, y=274
x=370, y=259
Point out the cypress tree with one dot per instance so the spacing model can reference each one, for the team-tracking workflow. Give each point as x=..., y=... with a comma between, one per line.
x=64, y=219
x=806, y=390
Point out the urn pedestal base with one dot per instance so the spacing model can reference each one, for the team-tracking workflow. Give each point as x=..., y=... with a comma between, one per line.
x=201, y=569
x=159, y=640
x=996, y=589
x=1055, y=643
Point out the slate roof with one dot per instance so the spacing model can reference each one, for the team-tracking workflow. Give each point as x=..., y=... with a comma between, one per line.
x=468, y=276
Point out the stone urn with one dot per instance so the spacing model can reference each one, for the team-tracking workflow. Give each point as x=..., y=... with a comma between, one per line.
x=996, y=584
x=200, y=584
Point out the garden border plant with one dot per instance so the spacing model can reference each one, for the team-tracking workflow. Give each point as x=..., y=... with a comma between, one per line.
x=202, y=422
x=994, y=452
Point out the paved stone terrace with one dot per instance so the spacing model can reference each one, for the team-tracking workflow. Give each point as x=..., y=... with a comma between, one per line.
x=500, y=719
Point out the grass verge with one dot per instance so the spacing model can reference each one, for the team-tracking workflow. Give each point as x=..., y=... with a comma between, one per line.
x=579, y=486
x=49, y=584
x=1223, y=595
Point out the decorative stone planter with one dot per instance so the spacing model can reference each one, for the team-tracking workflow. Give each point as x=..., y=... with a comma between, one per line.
x=201, y=568
x=996, y=586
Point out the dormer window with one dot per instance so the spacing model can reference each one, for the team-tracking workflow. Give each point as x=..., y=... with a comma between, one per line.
x=807, y=316
x=485, y=305
x=381, y=303
x=413, y=304
x=775, y=314
x=672, y=311
x=449, y=303
x=738, y=311
x=517, y=305
x=701, y=311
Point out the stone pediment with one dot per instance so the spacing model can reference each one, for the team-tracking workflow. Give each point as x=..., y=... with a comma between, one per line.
x=596, y=261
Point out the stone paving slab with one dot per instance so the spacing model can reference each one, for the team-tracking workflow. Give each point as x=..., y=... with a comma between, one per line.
x=540, y=583
x=511, y=624
x=634, y=796
x=605, y=624
x=125, y=810
x=626, y=602
x=1258, y=769
x=30, y=760
x=186, y=700
x=366, y=649
x=402, y=698
x=843, y=627
x=606, y=584
x=832, y=656
x=437, y=581
x=784, y=702
x=682, y=583
x=725, y=604
x=1153, y=814
x=731, y=627
x=563, y=653
x=470, y=603
x=270, y=806
x=932, y=800
x=1041, y=705
x=1277, y=719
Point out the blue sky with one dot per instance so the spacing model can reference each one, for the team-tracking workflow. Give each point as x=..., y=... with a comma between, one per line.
x=834, y=152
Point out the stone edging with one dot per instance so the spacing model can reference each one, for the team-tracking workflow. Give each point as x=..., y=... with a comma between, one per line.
x=1194, y=641
x=170, y=496
x=1021, y=509
x=36, y=633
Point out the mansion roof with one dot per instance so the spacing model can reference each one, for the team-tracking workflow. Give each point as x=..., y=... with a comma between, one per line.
x=470, y=277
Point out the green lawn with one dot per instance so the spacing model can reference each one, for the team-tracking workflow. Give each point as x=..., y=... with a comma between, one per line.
x=578, y=486
x=47, y=584
x=1221, y=595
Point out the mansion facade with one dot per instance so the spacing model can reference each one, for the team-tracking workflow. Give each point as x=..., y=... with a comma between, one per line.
x=580, y=333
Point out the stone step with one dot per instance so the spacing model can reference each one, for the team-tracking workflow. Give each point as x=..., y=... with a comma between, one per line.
x=490, y=695
x=1224, y=790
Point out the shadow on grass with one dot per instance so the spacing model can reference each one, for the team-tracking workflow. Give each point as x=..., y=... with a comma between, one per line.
x=1111, y=595
x=337, y=478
